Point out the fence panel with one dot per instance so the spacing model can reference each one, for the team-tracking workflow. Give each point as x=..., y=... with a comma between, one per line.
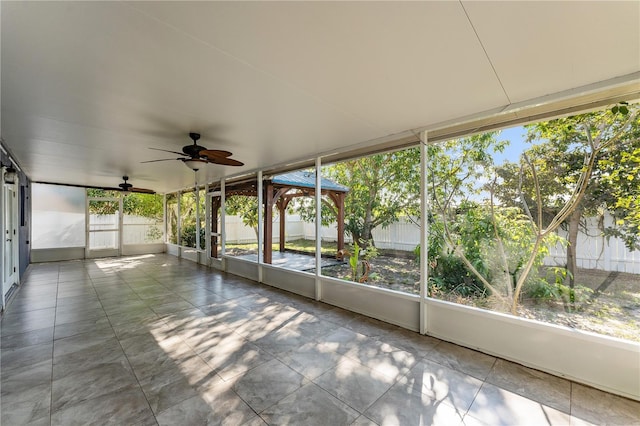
x=594, y=251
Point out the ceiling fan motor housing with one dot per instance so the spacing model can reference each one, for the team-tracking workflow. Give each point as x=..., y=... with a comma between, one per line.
x=126, y=186
x=193, y=150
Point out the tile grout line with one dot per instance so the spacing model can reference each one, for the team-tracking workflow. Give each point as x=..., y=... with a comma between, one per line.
x=123, y=351
x=53, y=339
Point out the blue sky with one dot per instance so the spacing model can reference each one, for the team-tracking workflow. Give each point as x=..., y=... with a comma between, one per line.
x=516, y=137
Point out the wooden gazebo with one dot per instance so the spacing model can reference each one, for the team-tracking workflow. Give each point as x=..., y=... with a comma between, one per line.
x=278, y=192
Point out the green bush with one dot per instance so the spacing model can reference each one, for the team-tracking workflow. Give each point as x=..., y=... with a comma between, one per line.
x=541, y=291
x=188, y=236
x=450, y=275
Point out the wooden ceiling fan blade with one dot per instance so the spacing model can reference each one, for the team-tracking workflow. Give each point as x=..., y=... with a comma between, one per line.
x=164, y=159
x=214, y=153
x=142, y=190
x=166, y=150
x=225, y=161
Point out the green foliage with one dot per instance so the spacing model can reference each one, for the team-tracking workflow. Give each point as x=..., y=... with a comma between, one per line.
x=541, y=290
x=354, y=259
x=172, y=218
x=558, y=155
x=144, y=205
x=306, y=208
x=382, y=187
x=359, y=261
x=188, y=209
x=134, y=204
x=450, y=275
x=497, y=246
x=621, y=108
x=188, y=236
x=103, y=207
x=245, y=207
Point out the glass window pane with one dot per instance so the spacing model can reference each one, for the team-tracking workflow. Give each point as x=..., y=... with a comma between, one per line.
x=202, y=201
x=58, y=216
x=103, y=240
x=381, y=217
x=188, y=219
x=241, y=219
x=172, y=218
x=521, y=223
x=293, y=231
x=143, y=219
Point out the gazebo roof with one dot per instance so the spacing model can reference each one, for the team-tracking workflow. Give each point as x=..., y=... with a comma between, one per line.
x=304, y=179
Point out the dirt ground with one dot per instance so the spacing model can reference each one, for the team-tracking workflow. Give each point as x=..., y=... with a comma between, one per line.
x=612, y=309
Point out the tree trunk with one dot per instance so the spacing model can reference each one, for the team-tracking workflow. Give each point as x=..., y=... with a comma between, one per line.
x=574, y=227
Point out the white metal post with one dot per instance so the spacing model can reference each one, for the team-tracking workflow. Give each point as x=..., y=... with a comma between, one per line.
x=318, y=228
x=260, y=227
x=223, y=210
x=207, y=222
x=424, y=233
x=165, y=235
x=197, y=197
x=120, y=223
x=179, y=224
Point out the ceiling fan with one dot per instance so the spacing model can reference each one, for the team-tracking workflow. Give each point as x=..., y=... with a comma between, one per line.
x=127, y=187
x=194, y=156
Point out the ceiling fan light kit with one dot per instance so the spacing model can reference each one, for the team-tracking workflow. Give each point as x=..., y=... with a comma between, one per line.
x=194, y=163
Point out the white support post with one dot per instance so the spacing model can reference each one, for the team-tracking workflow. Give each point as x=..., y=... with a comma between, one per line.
x=207, y=222
x=179, y=224
x=424, y=233
x=318, y=228
x=165, y=222
x=87, y=217
x=260, y=227
x=223, y=213
x=120, y=223
x=196, y=193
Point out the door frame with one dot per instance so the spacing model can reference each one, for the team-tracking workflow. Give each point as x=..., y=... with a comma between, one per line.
x=110, y=252
x=12, y=204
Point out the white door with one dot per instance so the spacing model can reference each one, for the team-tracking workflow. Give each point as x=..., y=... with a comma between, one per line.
x=10, y=233
x=104, y=227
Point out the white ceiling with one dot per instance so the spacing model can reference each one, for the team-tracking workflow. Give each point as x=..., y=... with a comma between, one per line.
x=88, y=87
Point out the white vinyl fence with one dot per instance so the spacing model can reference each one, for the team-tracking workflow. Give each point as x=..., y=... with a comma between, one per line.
x=135, y=230
x=402, y=235
x=593, y=251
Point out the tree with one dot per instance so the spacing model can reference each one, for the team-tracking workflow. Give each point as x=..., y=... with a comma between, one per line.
x=458, y=176
x=145, y=205
x=382, y=187
x=246, y=207
x=559, y=164
x=188, y=208
x=450, y=175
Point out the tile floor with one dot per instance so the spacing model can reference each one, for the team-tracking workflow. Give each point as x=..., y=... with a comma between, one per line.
x=156, y=340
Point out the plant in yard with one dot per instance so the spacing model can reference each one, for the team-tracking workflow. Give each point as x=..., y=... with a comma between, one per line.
x=359, y=262
x=554, y=167
x=498, y=246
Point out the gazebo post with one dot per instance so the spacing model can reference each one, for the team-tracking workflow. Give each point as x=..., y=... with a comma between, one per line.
x=281, y=210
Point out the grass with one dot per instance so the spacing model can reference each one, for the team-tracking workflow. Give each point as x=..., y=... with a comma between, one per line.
x=301, y=245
